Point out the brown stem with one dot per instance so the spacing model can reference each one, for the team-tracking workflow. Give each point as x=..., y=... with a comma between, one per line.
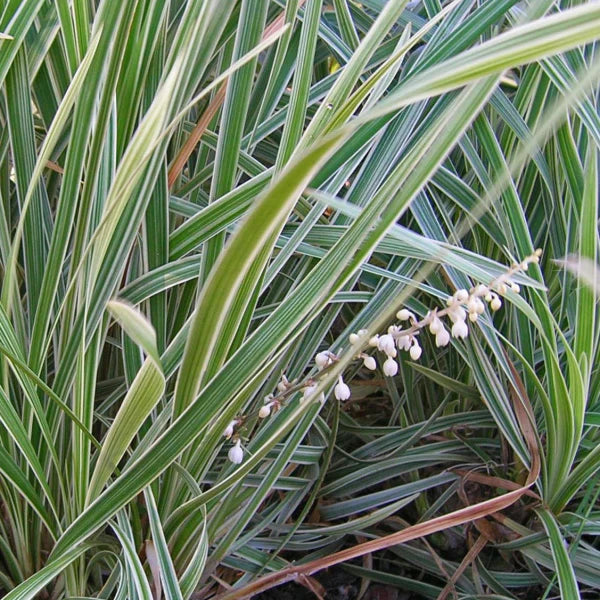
x=458, y=517
x=471, y=555
x=207, y=116
x=196, y=135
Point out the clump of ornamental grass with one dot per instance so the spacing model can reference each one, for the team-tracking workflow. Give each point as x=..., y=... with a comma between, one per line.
x=197, y=197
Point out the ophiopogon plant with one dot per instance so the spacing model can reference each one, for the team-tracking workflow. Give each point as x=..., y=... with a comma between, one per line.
x=199, y=198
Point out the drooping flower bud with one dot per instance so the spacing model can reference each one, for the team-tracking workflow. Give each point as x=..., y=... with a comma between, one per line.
x=323, y=359
x=457, y=313
x=390, y=367
x=496, y=303
x=265, y=410
x=403, y=342
x=308, y=391
x=283, y=385
x=386, y=344
x=436, y=326
x=236, y=454
x=404, y=315
x=460, y=330
x=228, y=432
x=341, y=390
x=475, y=305
x=442, y=338
x=461, y=295
x=370, y=363
x=415, y=351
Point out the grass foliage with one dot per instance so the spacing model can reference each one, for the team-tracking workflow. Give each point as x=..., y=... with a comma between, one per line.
x=199, y=196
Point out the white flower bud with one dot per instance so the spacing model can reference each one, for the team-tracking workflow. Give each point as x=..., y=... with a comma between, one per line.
x=502, y=289
x=475, y=307
x=436, y=326
x=403, y=342
x=404, y=315
x=236, y=454
x=359, y=336
x=390, y=367
x=460, y=330
x=515, y=287
x=524, y=265
x=374, y=341
x=415, y=351
x=461, y=295
x=228, y=432
x=283, y=385
x=386, y=344
x=442, y=338
x=265, y=410
x=322, y=359
x=473, y=316
x=341, y=390
x=457, y=313
x=481, y=290
x=488, y=297
x=496, y=303
x=370, y=363
x=308, y=391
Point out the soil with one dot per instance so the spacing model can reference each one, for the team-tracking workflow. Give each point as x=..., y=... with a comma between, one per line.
x=338, y=585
